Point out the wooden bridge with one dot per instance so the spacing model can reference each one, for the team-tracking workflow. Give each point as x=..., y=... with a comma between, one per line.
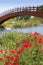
x=24, y=11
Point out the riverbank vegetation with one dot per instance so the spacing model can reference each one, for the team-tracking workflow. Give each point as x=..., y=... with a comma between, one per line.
x=21, y=49
x=23, y=22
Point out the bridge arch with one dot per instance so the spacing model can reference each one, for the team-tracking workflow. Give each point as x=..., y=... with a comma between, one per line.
x=27, y=11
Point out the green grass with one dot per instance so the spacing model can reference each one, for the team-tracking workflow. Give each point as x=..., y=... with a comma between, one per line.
x=8, y=40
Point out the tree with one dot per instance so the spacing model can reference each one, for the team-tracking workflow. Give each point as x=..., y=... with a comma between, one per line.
x=41, y=8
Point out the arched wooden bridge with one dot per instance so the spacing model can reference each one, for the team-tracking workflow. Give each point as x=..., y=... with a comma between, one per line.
x=24, y=11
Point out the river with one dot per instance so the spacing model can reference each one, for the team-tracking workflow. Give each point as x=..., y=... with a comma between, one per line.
x=38, y=29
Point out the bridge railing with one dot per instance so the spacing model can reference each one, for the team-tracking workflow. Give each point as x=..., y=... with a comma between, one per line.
x=34, y=9
x=30, y=9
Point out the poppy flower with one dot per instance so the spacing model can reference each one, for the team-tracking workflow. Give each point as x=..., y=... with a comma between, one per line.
x=12, y=64
x=6, y=63
x=18, y=52
x=17, y=56
x=11, y=58
x=1, y=59
x=1, y=50
x=12, y=52
x=7, y=57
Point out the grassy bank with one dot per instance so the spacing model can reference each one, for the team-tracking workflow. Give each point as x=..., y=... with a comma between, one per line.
x=30, y=22
x=21, y=49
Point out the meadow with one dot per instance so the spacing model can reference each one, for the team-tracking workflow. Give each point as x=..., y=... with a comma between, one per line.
x=21, y=49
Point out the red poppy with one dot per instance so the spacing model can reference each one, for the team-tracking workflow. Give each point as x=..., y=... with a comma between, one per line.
x=1, y=59
x=24, y=41
x=12, y=64
x=36, y=33
x=7, y=57
x=6, y=63
x=22, y=49
x=18, y=52
x=26, y=46
x=1, y=50
x=17, y=64
x=12, y=52
x=15, y=61
x=39, y=40
x=11, y=58
x=17, y=56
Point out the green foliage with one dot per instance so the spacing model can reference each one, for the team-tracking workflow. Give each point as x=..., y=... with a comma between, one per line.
x=41, y=8
x=22, y=22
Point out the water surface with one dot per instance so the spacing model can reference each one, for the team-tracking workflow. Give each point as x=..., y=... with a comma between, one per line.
x=38, y=29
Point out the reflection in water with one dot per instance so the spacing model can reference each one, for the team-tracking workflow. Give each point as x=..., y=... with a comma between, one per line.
x=25, y=30
x=1, y=30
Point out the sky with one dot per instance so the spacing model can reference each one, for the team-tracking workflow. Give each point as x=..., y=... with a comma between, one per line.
x=9, y=4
